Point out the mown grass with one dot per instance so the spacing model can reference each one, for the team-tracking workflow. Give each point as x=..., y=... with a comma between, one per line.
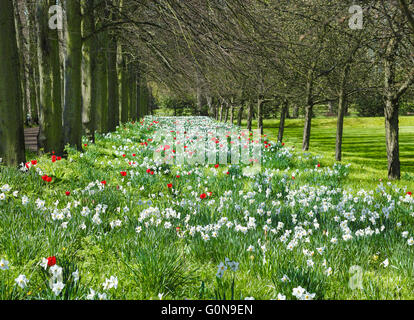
x=363, y=146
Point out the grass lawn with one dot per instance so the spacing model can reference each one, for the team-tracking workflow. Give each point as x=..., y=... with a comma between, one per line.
x=363, y=146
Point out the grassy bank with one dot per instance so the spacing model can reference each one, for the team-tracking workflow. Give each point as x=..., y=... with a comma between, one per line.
x=363, y=146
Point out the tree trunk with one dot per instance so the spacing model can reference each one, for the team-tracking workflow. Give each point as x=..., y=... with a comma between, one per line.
x=227, y=113
x=124, y=90
x=143, y=101
x=201, y=101
x=341, y=113
x=250, y=116
x=89, y=80
x=101, y=120
x=221, y=112
x=133, y=115
x=391, y=113
x=392, y=139
x=33, y=65
x=231, y=113
x=283, y=116
x=260, y=115
x=210, y=106
x=330, y=107
x=295, y=113
x=308, y=112
x=240, y=116
x=12, y=149
x=22, y=61
x=113, y=90
x=72, y=113
x=287, y=113
x=50, y=107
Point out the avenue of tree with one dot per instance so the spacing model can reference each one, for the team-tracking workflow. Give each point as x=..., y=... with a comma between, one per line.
x=236, y=59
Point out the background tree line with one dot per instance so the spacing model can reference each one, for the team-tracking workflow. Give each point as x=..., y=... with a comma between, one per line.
x=229, y=59
x=71, y=78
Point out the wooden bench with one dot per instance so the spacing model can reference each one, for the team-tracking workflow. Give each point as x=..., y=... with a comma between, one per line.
x=31, y=139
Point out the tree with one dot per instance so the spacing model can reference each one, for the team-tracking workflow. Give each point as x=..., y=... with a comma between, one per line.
x=50, y=107
x=11, y=115
x=72, y=120
x=89, y=74
x=101, y=119
x=113, y=87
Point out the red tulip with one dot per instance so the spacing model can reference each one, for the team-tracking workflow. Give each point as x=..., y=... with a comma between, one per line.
x=410, y=193
x=103, y=182
x=123, y=173
x=51, y=261
x=203, y=196
x=216, y=165
x=169, y=185
x=67, y=193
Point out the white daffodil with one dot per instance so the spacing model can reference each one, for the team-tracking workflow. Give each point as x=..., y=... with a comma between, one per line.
x=21, y=281
x=4, y=264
